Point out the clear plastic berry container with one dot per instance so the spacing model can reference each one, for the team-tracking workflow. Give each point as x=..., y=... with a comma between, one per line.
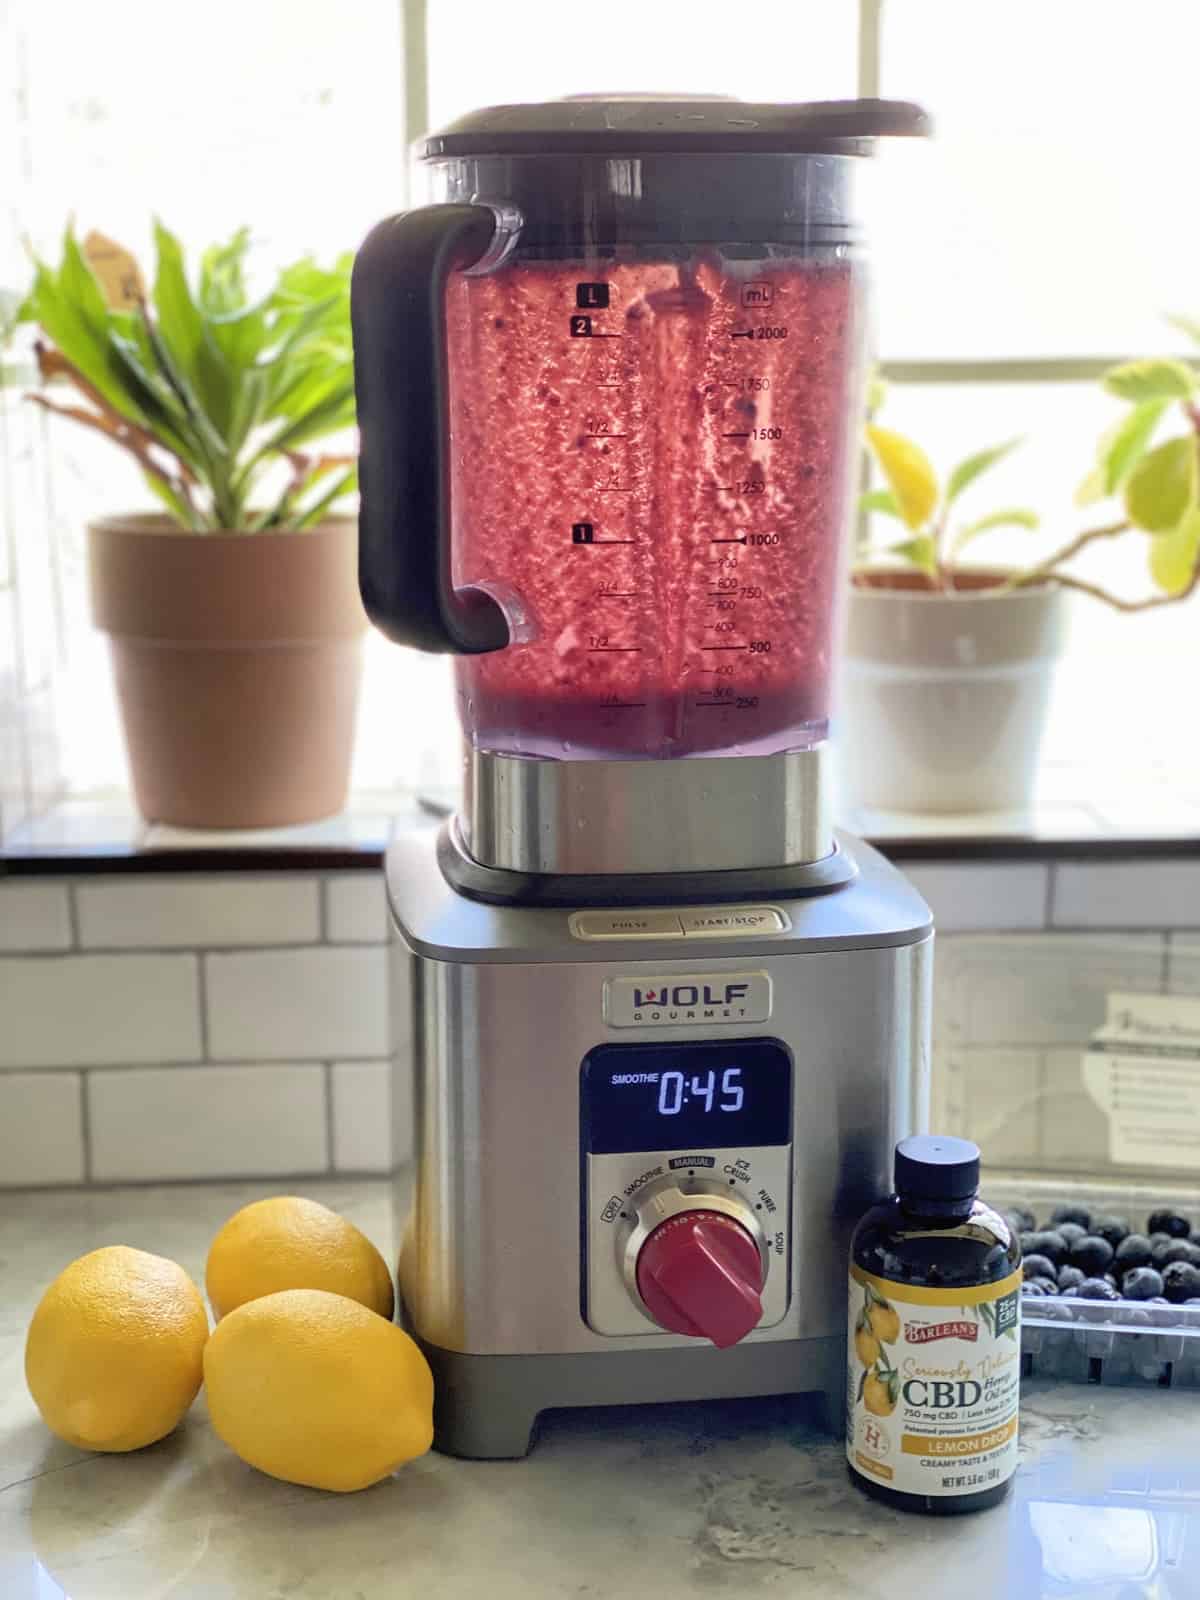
x=1073, y=1060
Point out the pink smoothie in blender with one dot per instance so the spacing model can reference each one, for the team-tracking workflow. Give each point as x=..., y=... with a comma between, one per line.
x=650, y=464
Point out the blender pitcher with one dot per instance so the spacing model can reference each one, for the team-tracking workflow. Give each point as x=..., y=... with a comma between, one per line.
x=608, y=394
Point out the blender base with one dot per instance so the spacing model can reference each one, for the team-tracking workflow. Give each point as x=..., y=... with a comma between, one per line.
x=487, y=1407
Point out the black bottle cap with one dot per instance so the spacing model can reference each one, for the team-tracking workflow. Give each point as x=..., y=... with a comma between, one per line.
x=933, y=1166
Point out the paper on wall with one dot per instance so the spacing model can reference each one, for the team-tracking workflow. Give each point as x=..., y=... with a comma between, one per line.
x=1142, y=1068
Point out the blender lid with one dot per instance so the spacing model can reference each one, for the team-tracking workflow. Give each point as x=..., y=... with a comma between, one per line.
x=633, y=124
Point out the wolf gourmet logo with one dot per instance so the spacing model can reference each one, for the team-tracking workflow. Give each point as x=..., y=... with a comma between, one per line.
x=674, y=1002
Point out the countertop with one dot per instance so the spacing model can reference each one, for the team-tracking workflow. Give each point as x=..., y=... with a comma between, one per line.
x=742, y=1499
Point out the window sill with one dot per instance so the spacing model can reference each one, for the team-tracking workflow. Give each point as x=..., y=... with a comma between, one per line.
x=1158, y=816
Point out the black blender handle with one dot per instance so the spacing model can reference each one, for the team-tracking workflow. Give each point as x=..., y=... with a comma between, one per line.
x=398, y=320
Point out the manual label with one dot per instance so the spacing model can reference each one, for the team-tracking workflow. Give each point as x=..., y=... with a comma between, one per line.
x=1142, y=1068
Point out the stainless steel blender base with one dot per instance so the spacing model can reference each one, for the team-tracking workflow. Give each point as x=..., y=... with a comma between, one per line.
x=487, y=1407
x=511, y=1265
x=575, y=818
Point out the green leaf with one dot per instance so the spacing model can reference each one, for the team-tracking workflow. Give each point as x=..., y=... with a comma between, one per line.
x=1188, y=325
x=893, y=1386
x=967, y=471
x=1015, y=517
x=1093, y=487
x=879, y=500
x=1163, y=485
x=174, y=503
x=862, y=1380
x=310, y=515
x=184, y=333
x=1174, y=555
x=921, y=551
x=908, y=472
x=1156, y=378
x=1123, y=445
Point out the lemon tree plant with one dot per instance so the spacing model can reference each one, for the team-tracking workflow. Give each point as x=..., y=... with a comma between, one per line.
x=1158, y=485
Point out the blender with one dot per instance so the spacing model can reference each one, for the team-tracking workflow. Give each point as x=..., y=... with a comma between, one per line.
x=666, y=1025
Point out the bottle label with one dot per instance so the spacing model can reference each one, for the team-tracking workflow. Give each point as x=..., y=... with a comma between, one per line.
x=933, y=1384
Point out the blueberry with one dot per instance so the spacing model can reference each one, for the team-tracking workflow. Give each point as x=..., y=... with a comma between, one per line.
x=1037, y=1288
x=1069, y=1294
x=1142, y=1283
x=1071, y=1232
x=1046, y=1243
x=1092, y=1255
x=1180, y=1250
x=1097, y=1289
x=1114, y=1229
x=1169, y=1222
x=1039, y=1267
x=1020, y=1219
x=1077, y=1214
x=1181, y=1281
x=1160, y=1243
x=1194, y=1301
x=1070, y=1277
x=1133, y=1251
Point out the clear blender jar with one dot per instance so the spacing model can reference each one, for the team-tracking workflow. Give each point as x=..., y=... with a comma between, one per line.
x=609, y=395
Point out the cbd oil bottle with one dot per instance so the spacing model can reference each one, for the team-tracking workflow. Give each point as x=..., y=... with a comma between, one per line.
x=934, y=1343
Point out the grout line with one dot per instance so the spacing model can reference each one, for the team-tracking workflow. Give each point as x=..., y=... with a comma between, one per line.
x=329, y=1114
x=193, y=949
x=190, y=1061
x=73, y=915
x=1051, y=895
x=85, y=1126
x=322, y=910
x=108, y=1185
x=202, y=1002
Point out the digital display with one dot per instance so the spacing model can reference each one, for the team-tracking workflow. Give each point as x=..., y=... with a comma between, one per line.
x=706, y=1095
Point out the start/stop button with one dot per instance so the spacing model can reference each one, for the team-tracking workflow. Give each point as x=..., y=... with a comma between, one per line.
x=732, y=922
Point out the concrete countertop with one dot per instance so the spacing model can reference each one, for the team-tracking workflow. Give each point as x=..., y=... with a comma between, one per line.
x=740, y=1499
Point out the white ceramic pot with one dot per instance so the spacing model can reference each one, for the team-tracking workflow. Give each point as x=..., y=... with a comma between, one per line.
x=944, y=695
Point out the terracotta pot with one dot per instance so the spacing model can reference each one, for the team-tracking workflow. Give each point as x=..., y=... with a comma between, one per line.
x=944, y=694
x=237, y=660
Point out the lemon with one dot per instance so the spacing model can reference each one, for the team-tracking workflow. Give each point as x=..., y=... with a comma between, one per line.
x=885, y=1323
x=313, y=1388
x=290, y=1243
x=867, y=1346
x=113, y=1354
x=876, y=1396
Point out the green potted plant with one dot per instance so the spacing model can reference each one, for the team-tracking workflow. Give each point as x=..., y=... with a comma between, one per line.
x=233, y=614
x=949, y=663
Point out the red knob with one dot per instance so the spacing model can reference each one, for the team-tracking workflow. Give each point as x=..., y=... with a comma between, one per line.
x=701, y=1274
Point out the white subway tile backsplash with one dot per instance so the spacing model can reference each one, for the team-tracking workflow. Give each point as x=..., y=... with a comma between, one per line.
x=995, y=1100
x=1183, y=964
x=1127, y=894
x=34, y=916
x=356, y=909
x=1075, y=1133
x=283, y=1004
x=207, y=1122
x=190, y=911
x=982, y=897
x=1042, y=989
x=77, y=1010
x=362, y=1116
x=41, y=1129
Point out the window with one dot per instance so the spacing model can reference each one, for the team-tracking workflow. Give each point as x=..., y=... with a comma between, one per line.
x=1041, y=235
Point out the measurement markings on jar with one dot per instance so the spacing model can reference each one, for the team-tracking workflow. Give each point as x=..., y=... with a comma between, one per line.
x=584, y=533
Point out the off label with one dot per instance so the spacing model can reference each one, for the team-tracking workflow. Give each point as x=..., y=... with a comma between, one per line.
x=933, y=1384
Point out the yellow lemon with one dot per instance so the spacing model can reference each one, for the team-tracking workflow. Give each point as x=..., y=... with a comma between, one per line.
x=290, y=1243
x=885, y=1323
x=876, y=1397
x=867, y=1346
x=314, y=1388
x=113, y=1354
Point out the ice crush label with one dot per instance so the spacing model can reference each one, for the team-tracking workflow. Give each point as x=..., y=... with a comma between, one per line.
x=933, y=1384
